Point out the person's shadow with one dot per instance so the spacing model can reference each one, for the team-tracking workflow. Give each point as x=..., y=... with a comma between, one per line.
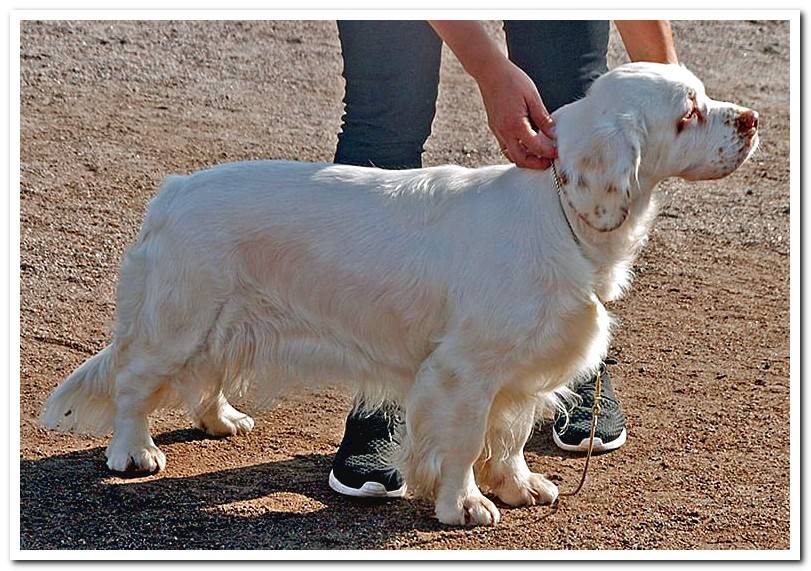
x=70, y=501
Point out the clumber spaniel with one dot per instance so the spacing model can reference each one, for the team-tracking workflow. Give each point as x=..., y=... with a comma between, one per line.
x=467, y=295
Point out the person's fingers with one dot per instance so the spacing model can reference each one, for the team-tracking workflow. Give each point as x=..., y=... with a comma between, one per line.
x=536, y=143
x=515, y=152
x=539, y=163
x=518, y=154
x=503, y=146
x=532, y=161
x=541, y=117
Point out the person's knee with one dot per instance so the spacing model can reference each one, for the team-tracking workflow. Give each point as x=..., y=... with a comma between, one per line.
x=389, y=130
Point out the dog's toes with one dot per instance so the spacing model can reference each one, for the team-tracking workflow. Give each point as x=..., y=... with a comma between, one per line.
x=228, y=421
x=529, y=491
x=244, y=425
x=228, y=426
x=148, y=460
x=543, y=491
x=481, y=511
x=473, y=510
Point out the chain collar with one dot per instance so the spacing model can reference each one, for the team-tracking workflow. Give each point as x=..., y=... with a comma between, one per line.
x=561, y=192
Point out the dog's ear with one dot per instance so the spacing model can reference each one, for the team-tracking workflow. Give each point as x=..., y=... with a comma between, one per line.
x=602, y=173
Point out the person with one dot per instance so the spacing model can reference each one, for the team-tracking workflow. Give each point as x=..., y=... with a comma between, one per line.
x=391, y=69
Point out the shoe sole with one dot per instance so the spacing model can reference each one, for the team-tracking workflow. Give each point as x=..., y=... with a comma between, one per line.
x=599, y=445
x=368, y=490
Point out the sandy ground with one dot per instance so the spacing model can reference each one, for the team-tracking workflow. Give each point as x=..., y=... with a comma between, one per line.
x=109, y=108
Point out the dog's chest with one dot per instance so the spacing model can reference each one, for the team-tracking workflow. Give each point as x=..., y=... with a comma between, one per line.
x=570, y=344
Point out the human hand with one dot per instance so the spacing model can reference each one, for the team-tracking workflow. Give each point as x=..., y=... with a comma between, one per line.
x=513, y=105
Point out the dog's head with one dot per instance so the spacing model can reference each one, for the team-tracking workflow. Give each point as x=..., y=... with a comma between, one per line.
x=646, y=121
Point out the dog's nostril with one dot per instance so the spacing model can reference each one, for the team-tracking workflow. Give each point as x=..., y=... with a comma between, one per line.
x=747, y=121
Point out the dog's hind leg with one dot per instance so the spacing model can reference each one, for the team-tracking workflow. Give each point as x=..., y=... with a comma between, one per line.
x=502, y=469
x=446, y=419
x=138, y=391
x=217, y=417
x=201, y=388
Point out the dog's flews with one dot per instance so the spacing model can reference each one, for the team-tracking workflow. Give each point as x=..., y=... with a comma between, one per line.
x=461, y=293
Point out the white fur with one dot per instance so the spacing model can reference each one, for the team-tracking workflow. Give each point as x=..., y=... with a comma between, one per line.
x=460, y=293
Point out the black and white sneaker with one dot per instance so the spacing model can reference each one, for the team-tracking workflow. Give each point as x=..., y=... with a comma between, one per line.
x=610, y=432
x=360, y=467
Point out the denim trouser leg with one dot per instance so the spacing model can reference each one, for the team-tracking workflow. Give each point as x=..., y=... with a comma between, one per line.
x=563, y=57
x=391, y=70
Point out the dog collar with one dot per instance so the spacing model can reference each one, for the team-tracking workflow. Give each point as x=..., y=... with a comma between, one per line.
x=559, y=186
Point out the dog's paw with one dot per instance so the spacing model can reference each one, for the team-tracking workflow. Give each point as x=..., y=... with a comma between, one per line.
x=226, y=421
x=146, y=459
x=527, y=491
x=474, y=509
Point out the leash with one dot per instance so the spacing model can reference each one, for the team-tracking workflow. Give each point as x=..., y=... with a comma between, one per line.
x=595, y=412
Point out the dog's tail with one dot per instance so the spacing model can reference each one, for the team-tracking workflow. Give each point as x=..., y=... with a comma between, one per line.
x=83, y=403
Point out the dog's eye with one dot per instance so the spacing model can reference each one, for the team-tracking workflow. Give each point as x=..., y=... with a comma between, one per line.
x=687, y=118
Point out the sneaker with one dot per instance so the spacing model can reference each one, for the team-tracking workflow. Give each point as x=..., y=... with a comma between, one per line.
x=361, y=467
x=610, y=433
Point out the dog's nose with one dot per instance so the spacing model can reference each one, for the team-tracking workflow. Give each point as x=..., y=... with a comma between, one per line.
x=747, y=121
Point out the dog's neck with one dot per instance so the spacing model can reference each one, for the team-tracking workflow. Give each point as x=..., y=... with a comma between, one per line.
x=613, y=253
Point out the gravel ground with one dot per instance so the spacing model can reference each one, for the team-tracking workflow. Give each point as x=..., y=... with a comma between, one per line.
x=109, y=108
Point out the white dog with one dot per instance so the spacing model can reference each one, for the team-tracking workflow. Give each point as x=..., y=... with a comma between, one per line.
x=465, y=294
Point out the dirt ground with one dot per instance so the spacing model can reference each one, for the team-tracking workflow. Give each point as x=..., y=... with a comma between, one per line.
x=109, y=108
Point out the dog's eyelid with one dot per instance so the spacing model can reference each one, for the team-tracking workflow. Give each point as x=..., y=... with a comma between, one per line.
x=694, y=111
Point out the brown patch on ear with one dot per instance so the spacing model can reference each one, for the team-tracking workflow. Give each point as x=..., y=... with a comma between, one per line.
x=604, y=170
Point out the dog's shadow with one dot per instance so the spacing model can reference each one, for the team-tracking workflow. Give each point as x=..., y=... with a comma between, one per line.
x=70, y=501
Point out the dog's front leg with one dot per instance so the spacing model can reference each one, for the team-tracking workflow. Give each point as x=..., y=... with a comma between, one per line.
x=446, y=420
x=503, y=469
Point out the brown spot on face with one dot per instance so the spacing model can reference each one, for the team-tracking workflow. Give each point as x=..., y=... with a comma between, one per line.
x=564, y=179
x=581, y=182
x=720, y=150
x=611, y=189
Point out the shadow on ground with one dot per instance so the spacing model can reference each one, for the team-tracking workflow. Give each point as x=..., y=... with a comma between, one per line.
x=275, y=505
x=71, y=501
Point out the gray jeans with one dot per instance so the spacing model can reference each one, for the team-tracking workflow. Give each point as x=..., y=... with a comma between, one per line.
x=391, y=70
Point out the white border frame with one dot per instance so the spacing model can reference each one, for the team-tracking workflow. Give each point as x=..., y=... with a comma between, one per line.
x=13, y=55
